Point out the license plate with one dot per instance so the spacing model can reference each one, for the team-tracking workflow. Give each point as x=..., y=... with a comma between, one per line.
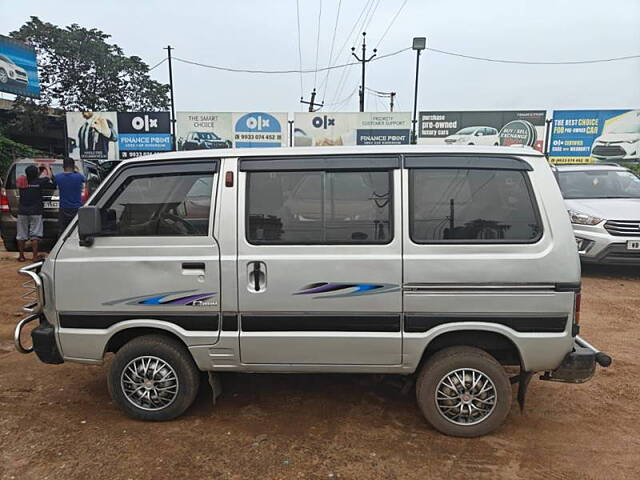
x=633, y=245
x=51, y=204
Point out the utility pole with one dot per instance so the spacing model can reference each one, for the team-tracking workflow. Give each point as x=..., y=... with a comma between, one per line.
x=392, y=96
x=364, y=60
x=312, y=104
x=173, y=107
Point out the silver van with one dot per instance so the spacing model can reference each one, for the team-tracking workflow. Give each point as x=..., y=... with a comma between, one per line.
x=439, y=263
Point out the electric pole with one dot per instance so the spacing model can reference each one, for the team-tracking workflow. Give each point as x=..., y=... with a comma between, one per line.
x=364, y=60
x=392, y=96
x=312, y=104
x=173, y=108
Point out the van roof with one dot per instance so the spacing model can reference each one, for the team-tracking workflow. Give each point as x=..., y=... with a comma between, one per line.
x=372, y=149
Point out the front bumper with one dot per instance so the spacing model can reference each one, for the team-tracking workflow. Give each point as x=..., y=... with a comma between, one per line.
x=579, y=365
x=599, y=246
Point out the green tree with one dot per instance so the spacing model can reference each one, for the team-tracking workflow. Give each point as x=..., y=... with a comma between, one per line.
x=80, y=70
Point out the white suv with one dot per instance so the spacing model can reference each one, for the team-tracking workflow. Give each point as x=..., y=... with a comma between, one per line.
x=604, y=206
x=474, y=136
x=10, y=73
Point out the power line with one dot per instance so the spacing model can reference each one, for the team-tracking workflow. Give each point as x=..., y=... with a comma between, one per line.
x=527, y=62
x=333, y=42
x=340, y=85
x=279, y=72
x=315, y=75
x=366, y=26
x=391, y=23
x=158, y=64
x=299, y=47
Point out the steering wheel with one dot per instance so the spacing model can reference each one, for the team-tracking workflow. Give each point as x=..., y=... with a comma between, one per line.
x=188, y=228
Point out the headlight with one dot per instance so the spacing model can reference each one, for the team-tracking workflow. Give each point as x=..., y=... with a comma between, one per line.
x=583, y=218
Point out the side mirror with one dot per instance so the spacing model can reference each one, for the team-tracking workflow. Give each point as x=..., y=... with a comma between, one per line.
x=89, y=224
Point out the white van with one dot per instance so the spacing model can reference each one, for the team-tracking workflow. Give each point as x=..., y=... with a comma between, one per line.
x=417, y=260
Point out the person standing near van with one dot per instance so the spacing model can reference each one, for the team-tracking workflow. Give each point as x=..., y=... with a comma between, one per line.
x=29, y=226
x=69, y=184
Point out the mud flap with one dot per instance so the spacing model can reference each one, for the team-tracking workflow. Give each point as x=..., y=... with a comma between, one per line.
x=523, y=379
x=216, y=385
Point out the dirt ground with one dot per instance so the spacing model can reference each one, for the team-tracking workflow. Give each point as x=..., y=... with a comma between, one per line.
x=57, y=421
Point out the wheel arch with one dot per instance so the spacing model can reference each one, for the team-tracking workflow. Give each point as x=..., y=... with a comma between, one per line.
x=125, y=335
x=496, y=344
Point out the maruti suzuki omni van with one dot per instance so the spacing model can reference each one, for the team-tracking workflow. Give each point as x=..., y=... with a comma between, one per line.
x=448, y=264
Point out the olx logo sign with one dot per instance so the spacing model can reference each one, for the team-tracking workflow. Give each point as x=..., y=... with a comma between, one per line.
x=144, y=123
x=323, y=122
x=258, y=122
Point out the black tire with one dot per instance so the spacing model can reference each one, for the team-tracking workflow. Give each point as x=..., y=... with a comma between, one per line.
x=4, y=78
x=451, y=359
x=176, y=356
x=10, y=244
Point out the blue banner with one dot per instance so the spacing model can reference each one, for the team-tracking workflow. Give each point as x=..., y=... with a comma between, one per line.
x=584, y=136
x=18, y=68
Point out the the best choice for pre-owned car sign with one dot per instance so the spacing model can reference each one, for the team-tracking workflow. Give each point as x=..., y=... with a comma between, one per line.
x=579, y=136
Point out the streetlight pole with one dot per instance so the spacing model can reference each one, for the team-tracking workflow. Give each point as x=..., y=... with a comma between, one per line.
x=364, y=60
x=173, y=108
x=419, y=44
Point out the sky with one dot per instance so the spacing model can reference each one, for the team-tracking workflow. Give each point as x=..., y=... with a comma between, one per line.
x=258, y=34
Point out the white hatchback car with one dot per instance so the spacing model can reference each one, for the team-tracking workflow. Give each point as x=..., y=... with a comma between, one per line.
x=10, y=73
x=474, y=136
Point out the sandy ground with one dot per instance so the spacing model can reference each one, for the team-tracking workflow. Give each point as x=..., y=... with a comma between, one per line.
x=57, y=421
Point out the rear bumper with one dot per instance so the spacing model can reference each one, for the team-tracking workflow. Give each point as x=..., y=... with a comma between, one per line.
x=49, y=228
x=579, y=365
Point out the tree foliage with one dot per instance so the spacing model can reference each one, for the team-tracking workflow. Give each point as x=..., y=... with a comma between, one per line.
x=10, y=151
x=80, y=70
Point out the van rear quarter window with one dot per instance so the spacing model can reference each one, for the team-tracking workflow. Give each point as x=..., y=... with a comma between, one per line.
x=319, y=207
x=463, y=205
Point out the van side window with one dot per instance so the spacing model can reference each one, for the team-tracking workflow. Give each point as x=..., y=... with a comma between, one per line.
x=319, y=207
x=159, y=205
x=472, y=206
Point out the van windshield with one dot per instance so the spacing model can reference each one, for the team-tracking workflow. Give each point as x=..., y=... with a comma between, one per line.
x=599, y=184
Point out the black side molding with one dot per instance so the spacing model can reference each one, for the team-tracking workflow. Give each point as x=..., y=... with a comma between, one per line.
x=320, y=323
x=525, y=324
x=197, y=321
x=568, y=287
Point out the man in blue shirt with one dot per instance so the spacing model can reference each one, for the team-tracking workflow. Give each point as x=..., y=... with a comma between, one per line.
x=69, y=184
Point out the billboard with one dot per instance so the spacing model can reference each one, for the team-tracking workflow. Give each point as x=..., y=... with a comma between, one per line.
x=92, y=135
x=142, y=133
x=580, y=136
x=328, y=129
x=101, y=136
x=506, y=128
x=210, y=130
x=18, y=68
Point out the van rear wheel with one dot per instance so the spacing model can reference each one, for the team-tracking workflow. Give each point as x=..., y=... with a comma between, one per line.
x=463, y=392
x=153, y=377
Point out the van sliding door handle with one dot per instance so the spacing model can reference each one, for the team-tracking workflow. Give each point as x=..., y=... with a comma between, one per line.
x=257, y=276
x=193, y=266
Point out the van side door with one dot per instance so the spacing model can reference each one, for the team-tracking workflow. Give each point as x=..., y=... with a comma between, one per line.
x=319, y=260
x=155, y=263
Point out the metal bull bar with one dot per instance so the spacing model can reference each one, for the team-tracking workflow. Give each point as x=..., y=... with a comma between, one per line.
x=35, y=301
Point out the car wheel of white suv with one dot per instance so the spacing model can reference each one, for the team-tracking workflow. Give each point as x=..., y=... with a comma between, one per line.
x=4, y=78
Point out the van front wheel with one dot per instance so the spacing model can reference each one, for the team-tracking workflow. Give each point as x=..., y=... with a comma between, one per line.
x=464, y=392
x=153, y=377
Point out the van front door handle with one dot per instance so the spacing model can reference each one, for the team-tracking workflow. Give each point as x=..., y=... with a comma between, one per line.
x=193, y=266
x=257, y=276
